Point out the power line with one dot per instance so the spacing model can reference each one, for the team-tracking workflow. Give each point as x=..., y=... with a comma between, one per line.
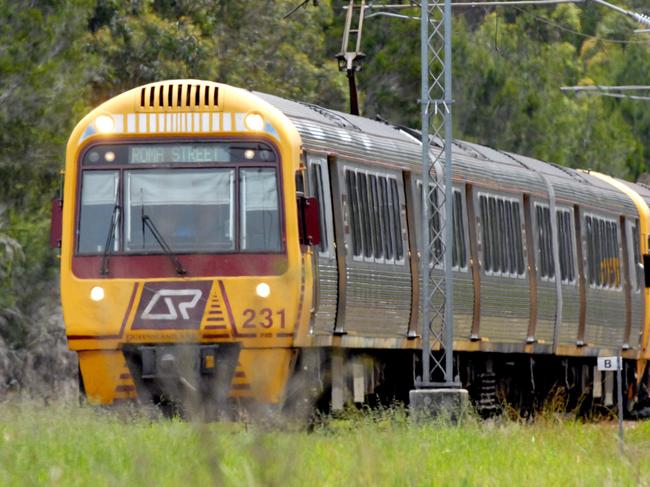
x=606, y=88
x=513, y=2
x=580, y=34
x=640, y=18
x=381, y=12
x=617, y=95
x=609, y=91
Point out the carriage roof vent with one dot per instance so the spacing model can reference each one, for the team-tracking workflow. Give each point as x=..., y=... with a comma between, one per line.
x=178, y=96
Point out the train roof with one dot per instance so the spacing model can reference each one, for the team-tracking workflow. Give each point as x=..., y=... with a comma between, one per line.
x=362, y=138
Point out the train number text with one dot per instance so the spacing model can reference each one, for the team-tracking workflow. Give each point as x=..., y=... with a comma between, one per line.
x=265, y=318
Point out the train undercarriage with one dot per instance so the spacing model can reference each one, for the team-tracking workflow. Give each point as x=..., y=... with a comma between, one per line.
x=196, y=381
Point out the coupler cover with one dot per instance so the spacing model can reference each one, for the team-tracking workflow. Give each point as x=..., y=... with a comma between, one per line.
x=179, y=370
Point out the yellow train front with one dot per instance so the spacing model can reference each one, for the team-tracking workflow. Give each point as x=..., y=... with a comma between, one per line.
x=182, y=269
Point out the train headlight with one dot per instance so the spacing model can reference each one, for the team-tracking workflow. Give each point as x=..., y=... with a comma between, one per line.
x=263, y=290
x=254, y=122
x=97, y=293
x=104, y=124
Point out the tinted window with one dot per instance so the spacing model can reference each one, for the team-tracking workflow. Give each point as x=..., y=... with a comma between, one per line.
x=544, y=242
x=397, y=221
x=260, y=216
x=502, y=235
x=99, y=198
x=355, y=218
x=567, y=245
x=602, y=252
x=636, y=249
x=375, y=223
x=459, y=248
x=319, y=193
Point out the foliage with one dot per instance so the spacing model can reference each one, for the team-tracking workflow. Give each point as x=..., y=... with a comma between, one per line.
x=81, y=446
x=246, y=44
x=10, y=255
x=508, y=67
x=43, y=66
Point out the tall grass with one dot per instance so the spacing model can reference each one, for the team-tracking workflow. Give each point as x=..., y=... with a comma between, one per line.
x=63, y=445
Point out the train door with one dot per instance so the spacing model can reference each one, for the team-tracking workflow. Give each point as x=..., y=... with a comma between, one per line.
x=605, y=297
x=377, y=267
x=504, y=289
x=462, y=273
x=554, y=325
x=326, y=269
x=635, y=269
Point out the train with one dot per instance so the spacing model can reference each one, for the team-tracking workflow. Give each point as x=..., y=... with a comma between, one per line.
x=235, y=247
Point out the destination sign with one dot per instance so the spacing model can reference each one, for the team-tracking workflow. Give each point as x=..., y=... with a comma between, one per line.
x=178, y=153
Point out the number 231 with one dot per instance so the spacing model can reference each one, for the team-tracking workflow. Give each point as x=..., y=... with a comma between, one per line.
x=266, y=316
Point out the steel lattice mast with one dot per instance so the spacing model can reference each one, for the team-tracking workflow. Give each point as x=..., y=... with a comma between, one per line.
x=437, y=286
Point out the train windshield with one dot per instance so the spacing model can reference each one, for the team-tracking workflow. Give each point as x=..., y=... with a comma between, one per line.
x=191, y=209
x=154, y=210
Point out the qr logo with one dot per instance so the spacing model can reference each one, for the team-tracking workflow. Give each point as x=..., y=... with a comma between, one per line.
x=183, y=299
x=172, y=305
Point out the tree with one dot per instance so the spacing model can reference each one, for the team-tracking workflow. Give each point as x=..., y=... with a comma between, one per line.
x=243, y=43
x=508, y=67
x=43, y=75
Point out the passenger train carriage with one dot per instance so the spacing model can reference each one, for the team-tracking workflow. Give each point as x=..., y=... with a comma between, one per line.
x=218, y=242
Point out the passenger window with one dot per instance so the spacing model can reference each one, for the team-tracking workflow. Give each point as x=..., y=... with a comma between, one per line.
x=602, y=252
x=355, y=224
x=566, y=244
x=503, y=252
x=376, y=228
x=376, y=214
x=319, y=193
x=486, y=225
x=459, y=246
x=637, y=277
x=399, y=250
x=388, y=236
x=365, y=214
x=566, y=241
x=544, y=242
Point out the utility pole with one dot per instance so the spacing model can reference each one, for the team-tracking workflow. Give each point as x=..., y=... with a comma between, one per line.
x=437, y=393
x=350, y=59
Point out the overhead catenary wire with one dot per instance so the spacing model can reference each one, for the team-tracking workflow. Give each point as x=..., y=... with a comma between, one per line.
x=580, y=34
x=608, y=91
x=606, y=88
x=618, y=95
x=380, y=11
x=641, y=18
x=415, y=5
x=463, y=4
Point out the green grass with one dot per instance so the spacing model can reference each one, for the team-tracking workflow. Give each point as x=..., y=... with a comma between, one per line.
x=63, y=445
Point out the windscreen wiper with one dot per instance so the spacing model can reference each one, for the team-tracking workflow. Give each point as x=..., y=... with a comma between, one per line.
x=148, y=222
x=110, y=239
